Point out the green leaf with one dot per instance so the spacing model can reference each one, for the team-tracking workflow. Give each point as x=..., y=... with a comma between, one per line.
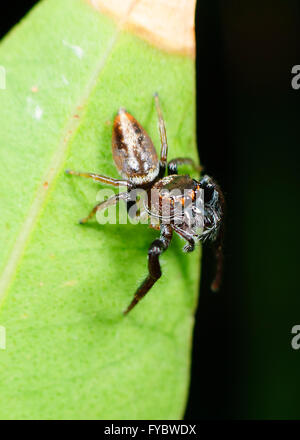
x=70, y=353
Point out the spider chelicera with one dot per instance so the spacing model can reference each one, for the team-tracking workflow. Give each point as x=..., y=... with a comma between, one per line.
x=137, y=162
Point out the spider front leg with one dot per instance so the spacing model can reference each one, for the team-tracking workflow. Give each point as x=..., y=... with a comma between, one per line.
x=101, y=179
x=113, y=200
x=108, y=181
x=173, y=164
x=188, y=237
x=156, y=249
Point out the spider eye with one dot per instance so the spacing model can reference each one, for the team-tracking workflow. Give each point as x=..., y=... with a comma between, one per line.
x=208, y=193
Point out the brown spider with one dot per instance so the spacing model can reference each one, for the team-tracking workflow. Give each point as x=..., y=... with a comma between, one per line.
x=137, y=162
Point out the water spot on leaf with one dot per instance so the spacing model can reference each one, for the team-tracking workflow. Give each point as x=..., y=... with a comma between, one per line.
x=34, y=109
x=77, y=50
x=65, y=80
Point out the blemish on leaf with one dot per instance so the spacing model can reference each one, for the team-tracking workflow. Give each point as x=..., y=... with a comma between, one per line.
x=34, y=109
x=34, y=89
x=164, y=23
x=38, y=112
x=46, y=185
x=77, y=50
x=65, y=81
x=69, y=283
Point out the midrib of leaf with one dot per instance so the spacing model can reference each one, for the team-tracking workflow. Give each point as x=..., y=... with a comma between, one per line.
x=55, y=166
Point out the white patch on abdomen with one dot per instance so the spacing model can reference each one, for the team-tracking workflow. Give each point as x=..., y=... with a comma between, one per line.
x=133, y=163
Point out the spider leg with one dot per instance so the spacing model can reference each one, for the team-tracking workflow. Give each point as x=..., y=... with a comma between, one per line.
x=101, y=179
x=113, y=200
x=173, y=164
x=218, y=244
x=156, y=249
x=188, y=237
x=163, y=138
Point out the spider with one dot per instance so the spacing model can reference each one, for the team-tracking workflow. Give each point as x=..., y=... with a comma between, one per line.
x=137, y=162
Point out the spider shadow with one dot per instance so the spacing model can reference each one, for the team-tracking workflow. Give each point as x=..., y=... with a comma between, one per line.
x=177, y=245
x=144, y=240
x=127, y=232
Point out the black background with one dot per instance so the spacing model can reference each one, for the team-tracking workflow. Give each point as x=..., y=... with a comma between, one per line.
x=248, y=137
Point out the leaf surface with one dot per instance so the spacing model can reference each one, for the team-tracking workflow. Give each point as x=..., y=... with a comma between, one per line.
x=70, y=354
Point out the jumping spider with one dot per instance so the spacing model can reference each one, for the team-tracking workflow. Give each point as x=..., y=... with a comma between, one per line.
x=137, y=162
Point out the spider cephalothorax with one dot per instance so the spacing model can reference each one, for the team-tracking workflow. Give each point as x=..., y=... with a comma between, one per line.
x=175, y=203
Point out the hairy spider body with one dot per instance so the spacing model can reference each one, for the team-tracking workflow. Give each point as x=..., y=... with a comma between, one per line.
x=176, y=200
x=175, y=203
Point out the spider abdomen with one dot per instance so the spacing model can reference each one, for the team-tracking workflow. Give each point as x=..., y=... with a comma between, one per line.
x=133, y=151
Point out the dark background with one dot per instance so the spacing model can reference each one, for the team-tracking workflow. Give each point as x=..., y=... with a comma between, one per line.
x=248, y=136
